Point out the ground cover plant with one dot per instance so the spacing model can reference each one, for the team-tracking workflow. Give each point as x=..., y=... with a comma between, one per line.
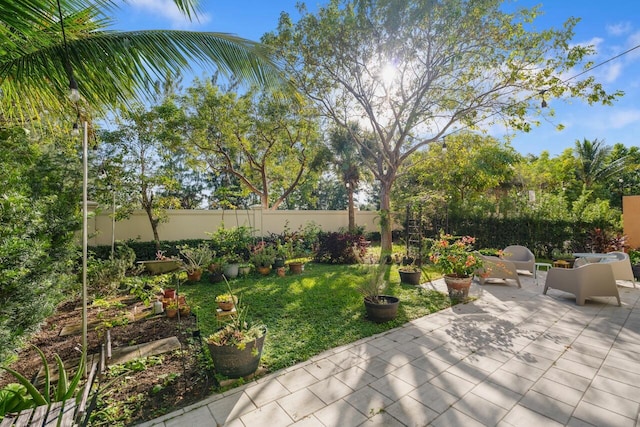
x=305, y=314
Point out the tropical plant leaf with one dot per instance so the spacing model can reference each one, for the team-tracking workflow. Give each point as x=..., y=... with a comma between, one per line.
x=37, y=397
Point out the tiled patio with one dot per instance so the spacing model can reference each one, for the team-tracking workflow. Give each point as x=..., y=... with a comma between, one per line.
x=513, y=357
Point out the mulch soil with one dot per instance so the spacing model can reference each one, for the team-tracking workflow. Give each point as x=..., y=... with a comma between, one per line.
x=132, y=395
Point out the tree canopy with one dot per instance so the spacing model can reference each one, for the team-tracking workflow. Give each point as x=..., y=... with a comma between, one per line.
x=412, y=72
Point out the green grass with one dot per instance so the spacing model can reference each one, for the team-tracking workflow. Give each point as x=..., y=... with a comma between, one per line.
x=308, y=313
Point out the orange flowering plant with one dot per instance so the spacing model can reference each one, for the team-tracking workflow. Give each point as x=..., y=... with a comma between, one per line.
x=455, y=256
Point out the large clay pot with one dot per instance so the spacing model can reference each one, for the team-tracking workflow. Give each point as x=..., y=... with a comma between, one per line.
x=230, y=271
x=264, y=270
x=232, y=362
x=194, y=276
x=458, y=287
x=295, y=267
x=384, y=311
x=410, y=277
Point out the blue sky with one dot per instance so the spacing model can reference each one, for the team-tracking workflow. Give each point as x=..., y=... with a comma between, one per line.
x=613, y=27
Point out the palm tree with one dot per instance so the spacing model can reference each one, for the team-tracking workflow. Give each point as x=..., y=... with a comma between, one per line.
x=39, y=57
x=594, y=163
x=348, y=164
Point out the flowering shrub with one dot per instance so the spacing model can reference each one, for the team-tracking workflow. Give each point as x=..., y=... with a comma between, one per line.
x=455, y=256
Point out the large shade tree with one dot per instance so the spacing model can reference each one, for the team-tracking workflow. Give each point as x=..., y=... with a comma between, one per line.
x=414, y=71
x=38, y=61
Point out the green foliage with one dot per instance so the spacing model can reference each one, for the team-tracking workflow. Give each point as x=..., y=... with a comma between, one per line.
x=455, y=255
x=196, y=258
x=65, y=388
x=105, y=276
x=232, y=241
x=374, y=282
x=313, y=312
x=341, y=248
x=38, y=218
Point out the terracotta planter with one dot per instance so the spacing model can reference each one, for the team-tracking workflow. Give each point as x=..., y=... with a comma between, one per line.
x=185, y=310
x=296, y=267
x=233, y=362
x=194, y=276
x=170, y=293
x=410, y=277
x=382, y=312
x=171, y=312
x=264, y=270
x=458, y=287
x=281, y=271
x=227, y=305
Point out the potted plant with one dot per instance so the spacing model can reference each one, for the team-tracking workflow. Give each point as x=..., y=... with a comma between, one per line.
x=226, y=301
x=196, y=259
x=236, y=347
x=296, y=265
x=262, y=257
x=162, y=264
x=457, y=260
x=410, y=274
x=244, y=269
x=171, y=309
x=380, y=308
x=231, y=265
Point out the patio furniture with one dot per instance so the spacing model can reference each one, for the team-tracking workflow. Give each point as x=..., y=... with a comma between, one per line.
x=619, y=262
x=521, y=256
x=584, y=281
x=539, y=266
x=497, y=268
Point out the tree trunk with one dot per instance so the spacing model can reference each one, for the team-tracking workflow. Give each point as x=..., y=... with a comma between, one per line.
x=352, y=214
x=154, y=226
x=385, y=220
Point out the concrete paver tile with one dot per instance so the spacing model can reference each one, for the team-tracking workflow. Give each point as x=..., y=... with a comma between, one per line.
x=613, y=403
x=468, y=371
x=237, y=422
x=523, y=369
x=497, y=394
x=401, y=336
x=308, y=421
x=623, y=376
x=300, y=404
x=201, y=416
x=480, y=409
x=330, y=390
x=297, y=379
x=616, y=388
x=434, y=397
x=392, y=386
x=382, y=419
x=230, y=407
x=339, y=414
x=383, y=343
x=431, y=364
x=585, y=359
x=567, y=378
x=396, y=357
x=266, y=392
x=624, y=364
x=452, y=417
x=413, y=375
x=365, y=350
x=322, y=369
x=558, y=391
x=583, y=348
x=410, y=412
x=368, y=401
x=576, y=368
x=534, y=360
x=452, y=384
x=576, y=422
x=355, y=377
x=377, y=367
x=522, y=416
x=547, y=406
x=601, y=417
x=603, y=342
x=271, y=412
x=346, y=359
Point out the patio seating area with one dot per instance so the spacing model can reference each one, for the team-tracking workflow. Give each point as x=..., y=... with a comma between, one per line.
x=511, y=357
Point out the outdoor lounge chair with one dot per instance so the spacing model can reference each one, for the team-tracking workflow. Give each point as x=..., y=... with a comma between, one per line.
x=621, y=266
x=588, y=280
x=497, y=268
x=521, y=256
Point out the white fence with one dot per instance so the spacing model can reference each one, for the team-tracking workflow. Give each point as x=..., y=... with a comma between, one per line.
x=194, y=224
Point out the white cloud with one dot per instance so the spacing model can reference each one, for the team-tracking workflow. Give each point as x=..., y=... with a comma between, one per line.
x=595, y=42
x=613, y=71
x=167, y=9
x=620, y=119
x=619, y=28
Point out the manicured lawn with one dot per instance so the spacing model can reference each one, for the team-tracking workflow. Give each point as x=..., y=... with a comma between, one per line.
x=308, y=313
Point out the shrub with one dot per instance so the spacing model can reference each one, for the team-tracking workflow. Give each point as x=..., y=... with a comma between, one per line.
x=603, y=241
x=341, y=248
x=232, y=241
